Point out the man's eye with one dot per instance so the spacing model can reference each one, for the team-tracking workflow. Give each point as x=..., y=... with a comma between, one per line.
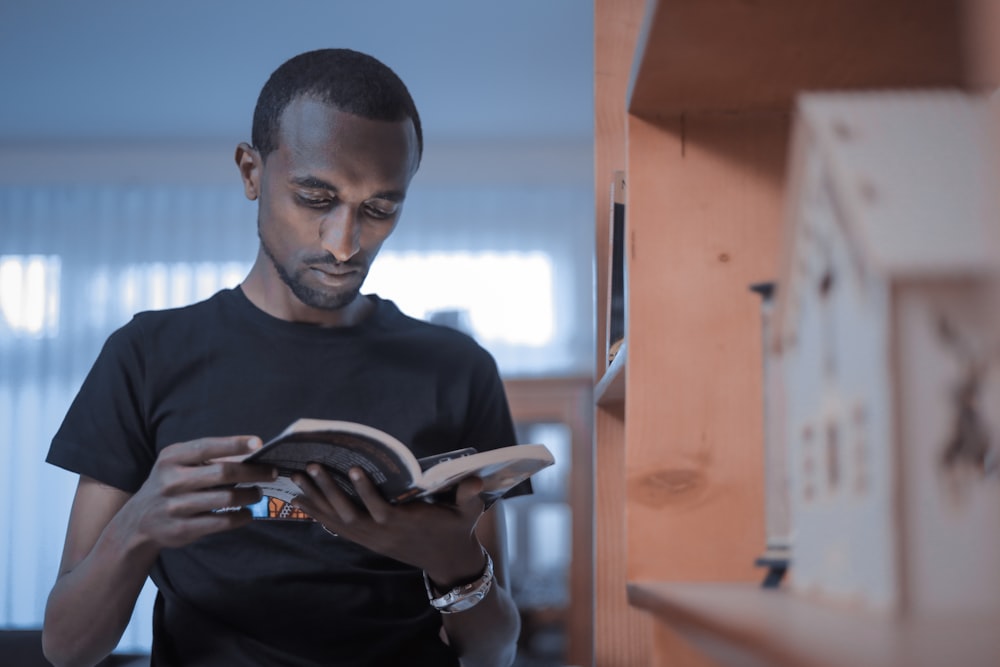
x=314, y=202
x=378, y=213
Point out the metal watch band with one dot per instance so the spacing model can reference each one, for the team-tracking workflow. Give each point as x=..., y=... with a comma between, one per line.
x=463, y=597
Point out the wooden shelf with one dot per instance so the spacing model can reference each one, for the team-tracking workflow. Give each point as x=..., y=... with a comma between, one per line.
x=610, y=389
x=738, y=55
x=743, y=624
x=709, y=91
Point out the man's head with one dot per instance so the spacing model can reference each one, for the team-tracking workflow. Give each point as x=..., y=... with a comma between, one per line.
x=347, y=80
x=336, y=142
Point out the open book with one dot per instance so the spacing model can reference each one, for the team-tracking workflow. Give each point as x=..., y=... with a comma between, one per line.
x=399, y=475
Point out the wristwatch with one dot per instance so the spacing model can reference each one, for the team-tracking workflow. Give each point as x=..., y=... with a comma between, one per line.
x=462, y=597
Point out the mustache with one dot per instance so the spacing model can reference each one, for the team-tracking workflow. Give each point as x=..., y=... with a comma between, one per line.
x=319, y=260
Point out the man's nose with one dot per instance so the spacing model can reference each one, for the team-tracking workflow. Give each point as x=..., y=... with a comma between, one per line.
x=340, y=233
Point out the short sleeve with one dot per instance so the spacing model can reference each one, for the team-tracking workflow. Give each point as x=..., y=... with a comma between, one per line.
x=104, y=434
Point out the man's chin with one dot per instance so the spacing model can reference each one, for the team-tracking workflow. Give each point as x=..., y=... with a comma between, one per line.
x=325, y=300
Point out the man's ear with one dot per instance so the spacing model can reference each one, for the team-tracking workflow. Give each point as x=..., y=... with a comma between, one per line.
x=249, y=162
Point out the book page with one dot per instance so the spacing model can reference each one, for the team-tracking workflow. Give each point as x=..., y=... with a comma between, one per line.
x=339, y=452
x=500, y=469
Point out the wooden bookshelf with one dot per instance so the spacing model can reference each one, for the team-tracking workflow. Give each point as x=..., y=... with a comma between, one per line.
x=739, y=55
x=694, y=101
x=610, y=389
x=620, y=631
x=744, y=624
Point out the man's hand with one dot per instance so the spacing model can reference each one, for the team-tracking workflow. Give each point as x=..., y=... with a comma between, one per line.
x=189, y=480
x=114, y=538
x=441, y=539
x=436, y=538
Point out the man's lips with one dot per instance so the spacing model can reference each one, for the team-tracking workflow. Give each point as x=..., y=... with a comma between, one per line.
x=335, y=277
x=336, y=271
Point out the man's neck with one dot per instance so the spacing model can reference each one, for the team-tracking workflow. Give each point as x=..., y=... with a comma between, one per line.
x=277, y=300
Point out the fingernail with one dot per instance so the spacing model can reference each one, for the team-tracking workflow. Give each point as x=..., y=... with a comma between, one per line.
x=254, y=443
x=356, y=475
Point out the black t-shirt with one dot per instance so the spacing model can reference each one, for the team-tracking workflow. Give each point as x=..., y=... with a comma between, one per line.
x=281, y=592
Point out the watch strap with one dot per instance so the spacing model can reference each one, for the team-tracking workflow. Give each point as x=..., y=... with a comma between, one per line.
x=465, y=596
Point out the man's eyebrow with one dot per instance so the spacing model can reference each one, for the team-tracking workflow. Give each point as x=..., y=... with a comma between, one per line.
x=312, y=182
x=390, y=195
x=319, y=184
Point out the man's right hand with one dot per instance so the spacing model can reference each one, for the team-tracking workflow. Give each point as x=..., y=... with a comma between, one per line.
x=114, y=537
x=190, y=481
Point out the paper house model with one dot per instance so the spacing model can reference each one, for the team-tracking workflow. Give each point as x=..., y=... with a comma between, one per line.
x=887, y=342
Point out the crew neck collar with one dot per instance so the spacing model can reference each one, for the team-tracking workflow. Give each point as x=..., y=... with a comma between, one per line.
x=378, y=314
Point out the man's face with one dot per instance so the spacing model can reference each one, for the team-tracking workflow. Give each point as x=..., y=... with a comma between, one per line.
x=329, y=196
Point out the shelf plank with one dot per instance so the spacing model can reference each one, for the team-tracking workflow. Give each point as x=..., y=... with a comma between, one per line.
x=753, y=626
x=610, y=389
x=739, y=54
x=704, y=209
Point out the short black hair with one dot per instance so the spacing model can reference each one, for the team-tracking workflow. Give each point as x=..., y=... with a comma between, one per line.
x=350, y=81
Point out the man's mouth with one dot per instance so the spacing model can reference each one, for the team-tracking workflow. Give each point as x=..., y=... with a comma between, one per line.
x=334, y=276
x=336, y=270
x=333, y=271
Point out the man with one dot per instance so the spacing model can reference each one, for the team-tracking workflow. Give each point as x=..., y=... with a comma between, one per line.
x=177, y=397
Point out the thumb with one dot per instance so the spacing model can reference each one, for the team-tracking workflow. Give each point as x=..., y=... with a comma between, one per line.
x=467, y=495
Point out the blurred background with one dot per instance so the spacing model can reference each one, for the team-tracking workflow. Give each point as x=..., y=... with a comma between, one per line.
x=118, y=193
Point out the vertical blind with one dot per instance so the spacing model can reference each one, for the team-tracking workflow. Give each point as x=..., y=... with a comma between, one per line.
x=77, y=261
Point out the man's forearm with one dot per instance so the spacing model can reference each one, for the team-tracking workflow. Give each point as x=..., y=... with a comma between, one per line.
x=486, y=635
x=90, y=605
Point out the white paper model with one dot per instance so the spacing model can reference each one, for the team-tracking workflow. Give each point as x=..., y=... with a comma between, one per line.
x=886, y=333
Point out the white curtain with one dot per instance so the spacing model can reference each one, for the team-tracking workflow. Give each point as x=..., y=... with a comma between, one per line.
x=76, y=261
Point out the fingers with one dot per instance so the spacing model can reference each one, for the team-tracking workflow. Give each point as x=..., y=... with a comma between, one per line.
x=179, y=533
x=467, y=496
x=193, y=504
x=410, y=532
x=174, y=521
x=208, y=462
x=179, y=501
x=377, y=506
x=219, y=474
x=204, y=450
x=321, y=496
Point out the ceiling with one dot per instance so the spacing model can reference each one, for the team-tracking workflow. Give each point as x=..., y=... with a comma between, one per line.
x=189, y=69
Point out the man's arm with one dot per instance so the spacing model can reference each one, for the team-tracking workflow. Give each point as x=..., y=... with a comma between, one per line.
x=114, y=538
x=445, y=541
x=100, y=576
x=487, y=634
